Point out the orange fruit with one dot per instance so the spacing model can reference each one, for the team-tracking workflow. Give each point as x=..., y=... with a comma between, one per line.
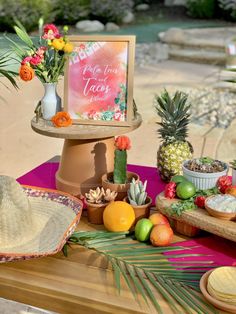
x=161, y=235
x=118, y=216
x=158, y=219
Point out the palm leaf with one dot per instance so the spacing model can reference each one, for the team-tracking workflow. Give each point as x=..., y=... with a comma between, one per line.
x=22, y=34
x=5, y=58
x=146, y=269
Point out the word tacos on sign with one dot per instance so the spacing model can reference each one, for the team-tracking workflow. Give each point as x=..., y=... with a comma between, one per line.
x=99, y=80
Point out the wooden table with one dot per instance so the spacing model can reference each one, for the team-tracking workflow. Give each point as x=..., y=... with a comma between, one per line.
x=87, y=154
x=77, y=284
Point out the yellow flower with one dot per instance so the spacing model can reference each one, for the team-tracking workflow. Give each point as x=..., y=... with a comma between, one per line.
x=68, y=48
x=58, y=44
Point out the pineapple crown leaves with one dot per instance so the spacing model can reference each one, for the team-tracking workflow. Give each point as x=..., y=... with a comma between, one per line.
x=233, y=164
x=174, y=114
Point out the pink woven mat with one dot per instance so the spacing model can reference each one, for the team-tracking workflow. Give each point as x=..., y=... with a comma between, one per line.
x=219, y=250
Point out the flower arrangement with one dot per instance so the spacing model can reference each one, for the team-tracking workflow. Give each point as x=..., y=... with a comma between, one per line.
x=122, y=144
x=46, y=60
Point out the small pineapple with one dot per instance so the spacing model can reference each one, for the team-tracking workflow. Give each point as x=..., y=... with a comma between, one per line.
x=233, y=164
x=174, y=114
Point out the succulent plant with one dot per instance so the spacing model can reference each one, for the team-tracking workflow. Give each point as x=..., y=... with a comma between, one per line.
x=233, y=164
x=99, y=196
x=109, y=195
x=137, y=192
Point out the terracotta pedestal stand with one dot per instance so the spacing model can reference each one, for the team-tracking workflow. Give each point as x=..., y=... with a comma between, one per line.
x=82, y=164
x=88, y=152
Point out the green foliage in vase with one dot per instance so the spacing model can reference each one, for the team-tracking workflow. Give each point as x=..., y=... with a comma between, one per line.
x=146, y=270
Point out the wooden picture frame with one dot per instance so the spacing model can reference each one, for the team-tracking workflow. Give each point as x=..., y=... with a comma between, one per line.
x=98, y=86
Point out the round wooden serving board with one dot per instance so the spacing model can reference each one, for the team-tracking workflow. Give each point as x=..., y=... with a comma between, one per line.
x=199, y=218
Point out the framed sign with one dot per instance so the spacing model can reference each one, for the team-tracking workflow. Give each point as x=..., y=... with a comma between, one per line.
x=99, y=80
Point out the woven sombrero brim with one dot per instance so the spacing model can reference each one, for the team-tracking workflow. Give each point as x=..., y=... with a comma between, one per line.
x=55, y=216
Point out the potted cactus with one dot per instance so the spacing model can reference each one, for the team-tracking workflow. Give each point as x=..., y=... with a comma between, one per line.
x=96, y=201
x=137, y=197
x=233, y=166
x=119, y=180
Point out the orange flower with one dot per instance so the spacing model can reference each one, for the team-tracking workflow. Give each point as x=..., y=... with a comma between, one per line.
x=26, y=72
x=61, y=119
x=123, y=142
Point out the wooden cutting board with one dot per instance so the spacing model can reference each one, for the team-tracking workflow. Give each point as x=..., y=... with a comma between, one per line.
x=199, y=218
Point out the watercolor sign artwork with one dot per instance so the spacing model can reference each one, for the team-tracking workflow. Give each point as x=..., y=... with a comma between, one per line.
x=99, y=80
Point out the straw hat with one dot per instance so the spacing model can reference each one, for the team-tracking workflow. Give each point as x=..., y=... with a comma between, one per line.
x=33, y=221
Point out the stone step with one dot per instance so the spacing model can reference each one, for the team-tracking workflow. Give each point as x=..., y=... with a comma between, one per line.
x=198, y=56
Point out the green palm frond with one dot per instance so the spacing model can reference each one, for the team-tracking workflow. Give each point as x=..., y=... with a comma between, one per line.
x=146, y=269
x=23, y=35
x=5, y=59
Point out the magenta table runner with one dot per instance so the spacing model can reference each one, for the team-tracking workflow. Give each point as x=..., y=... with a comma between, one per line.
x=44, y=176
x=218, y=250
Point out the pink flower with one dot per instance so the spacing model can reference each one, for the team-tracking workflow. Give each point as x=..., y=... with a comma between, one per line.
x=41, y=50
x=118, y=115
x=26, y=60
x=50, y=32
x=92, y=114
x=35, y=60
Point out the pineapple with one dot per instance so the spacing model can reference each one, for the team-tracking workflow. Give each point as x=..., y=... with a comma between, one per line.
x=174, y=114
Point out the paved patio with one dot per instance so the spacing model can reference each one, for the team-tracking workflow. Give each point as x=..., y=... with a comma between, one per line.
x=22, y=149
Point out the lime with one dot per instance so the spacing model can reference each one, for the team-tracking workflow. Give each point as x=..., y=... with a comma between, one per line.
x=143, y=229
x=185, y=190
x=178, y=179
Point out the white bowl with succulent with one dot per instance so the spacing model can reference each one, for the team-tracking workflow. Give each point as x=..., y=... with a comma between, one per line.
x=96, y=201
x=204, y=172
x=137, y=197
x=233, y=166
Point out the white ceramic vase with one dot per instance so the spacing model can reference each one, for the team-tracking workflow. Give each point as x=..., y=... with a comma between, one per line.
x=233, y=176
x=51, y=101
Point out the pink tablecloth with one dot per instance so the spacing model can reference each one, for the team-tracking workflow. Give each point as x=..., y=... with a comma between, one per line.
x=216, y=249
x=44, y=176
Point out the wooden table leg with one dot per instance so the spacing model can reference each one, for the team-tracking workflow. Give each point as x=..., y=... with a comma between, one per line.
x=82, y=164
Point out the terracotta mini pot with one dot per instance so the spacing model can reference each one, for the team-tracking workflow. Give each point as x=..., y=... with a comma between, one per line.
x=141, y=211
x=95, y=212
x=185, y=229
x=121, y=189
